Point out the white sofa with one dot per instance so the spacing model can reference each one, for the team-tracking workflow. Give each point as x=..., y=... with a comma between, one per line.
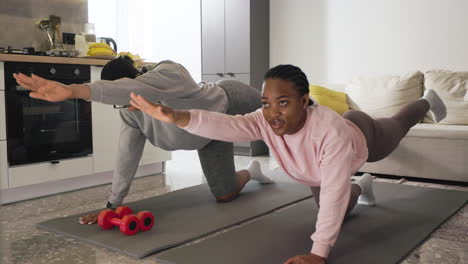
x=433, y=151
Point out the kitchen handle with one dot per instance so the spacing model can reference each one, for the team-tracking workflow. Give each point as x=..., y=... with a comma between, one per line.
x=55, y=162
x=220, y=74
x=231, y=74
x=20, y=88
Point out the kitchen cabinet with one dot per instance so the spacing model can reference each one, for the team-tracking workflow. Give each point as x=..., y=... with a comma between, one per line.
x=235, y=40
x=49, y=171
x=235, y=46
x=106, y=128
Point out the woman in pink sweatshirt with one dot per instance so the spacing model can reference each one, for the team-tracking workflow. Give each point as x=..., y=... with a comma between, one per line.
x=313, y=144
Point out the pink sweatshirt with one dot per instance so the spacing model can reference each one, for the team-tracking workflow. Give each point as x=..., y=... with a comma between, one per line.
x=325, y=153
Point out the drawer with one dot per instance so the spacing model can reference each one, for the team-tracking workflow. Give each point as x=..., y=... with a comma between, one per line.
x=44, y=172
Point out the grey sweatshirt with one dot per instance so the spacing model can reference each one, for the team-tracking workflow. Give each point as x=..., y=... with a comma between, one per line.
x=170, y=84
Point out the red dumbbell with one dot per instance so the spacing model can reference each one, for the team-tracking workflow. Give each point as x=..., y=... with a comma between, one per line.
x=122, y=211
x=146, y=218
x=129, y=224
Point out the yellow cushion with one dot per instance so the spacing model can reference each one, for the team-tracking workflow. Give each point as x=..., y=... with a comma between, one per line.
x=329, y=98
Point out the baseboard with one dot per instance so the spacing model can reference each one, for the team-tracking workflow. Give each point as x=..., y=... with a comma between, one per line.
x=72, y=184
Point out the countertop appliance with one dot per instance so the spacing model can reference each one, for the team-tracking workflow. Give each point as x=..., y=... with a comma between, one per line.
x=39, y=131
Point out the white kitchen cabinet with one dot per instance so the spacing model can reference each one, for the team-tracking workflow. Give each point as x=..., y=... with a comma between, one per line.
x=235, y=46
x=245, y=78
x=49, y=171
x=235, y=40
x=213, y=37
x=237, y=35
x=3, y=165
x=106, y=127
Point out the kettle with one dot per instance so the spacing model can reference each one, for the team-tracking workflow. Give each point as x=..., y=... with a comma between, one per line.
x=110, y=42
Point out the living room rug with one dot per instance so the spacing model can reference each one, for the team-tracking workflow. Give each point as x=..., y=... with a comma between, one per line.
x=183, y=216
x=403, y=217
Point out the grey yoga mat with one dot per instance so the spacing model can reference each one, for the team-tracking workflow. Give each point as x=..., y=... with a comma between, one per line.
x=184, y=215
x=403, y=217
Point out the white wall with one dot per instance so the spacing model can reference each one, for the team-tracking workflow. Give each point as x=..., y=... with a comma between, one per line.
x=370, y=36
x=297, y=36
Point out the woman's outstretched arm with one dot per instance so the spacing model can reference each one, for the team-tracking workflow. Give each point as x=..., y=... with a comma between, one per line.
x=213, y=125
x=52, y=91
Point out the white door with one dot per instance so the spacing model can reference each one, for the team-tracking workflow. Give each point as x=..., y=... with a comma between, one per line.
x=212, y=36
x=237, y=36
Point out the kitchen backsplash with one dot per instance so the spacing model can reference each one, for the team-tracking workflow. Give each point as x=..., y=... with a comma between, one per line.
x=17, y=19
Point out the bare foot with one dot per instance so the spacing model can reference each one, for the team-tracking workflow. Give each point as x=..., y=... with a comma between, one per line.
x=88, y=219
x=243, y=177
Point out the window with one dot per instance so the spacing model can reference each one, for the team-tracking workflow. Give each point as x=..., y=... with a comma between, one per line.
x=154, y=29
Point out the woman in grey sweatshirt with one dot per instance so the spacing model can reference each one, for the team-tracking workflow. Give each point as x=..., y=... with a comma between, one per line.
x=171, y=84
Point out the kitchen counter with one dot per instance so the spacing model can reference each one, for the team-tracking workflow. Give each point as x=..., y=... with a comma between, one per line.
x=62, y=60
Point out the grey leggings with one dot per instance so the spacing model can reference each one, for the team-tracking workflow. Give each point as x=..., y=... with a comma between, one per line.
x=382, y=136
x=217, y=157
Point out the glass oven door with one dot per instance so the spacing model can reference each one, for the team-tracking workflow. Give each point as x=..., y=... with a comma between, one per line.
x=40, y=131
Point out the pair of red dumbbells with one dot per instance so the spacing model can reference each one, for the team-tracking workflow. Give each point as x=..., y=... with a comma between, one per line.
x=124, y=218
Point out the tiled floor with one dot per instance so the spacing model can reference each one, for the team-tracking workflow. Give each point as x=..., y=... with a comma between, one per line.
x=21, y=242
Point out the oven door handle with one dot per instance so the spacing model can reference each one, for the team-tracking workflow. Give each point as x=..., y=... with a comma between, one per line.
x=21, y=88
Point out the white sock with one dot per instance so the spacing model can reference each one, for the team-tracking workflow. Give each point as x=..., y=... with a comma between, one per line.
x=256, y=173
x=437, y=106
x=367, y=194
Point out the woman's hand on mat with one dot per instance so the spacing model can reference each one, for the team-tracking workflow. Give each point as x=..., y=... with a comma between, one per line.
x=88, y=219
x=306, y=259
x=160, y=112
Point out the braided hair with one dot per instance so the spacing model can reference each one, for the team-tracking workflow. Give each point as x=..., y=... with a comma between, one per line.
x=120, y=67
x=293, y=74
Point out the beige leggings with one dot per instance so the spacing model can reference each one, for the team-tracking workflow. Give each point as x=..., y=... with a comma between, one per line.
x=382, y=137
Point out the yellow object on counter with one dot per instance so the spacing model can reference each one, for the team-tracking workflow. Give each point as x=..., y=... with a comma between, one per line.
x=100, y=52
x=100, y=46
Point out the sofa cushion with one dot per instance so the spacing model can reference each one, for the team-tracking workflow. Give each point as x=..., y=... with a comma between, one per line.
x=383, y=96
x=329, y=98
x=458, y=132
x=452, y=87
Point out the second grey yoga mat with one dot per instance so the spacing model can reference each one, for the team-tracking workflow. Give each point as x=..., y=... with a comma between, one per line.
x=403, y=217
x=184, y=215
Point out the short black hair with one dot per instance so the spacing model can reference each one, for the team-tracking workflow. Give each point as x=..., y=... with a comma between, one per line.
x=293, y=74
x=118, y=68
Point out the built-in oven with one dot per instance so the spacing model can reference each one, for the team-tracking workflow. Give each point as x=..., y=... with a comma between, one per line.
x=39, y=131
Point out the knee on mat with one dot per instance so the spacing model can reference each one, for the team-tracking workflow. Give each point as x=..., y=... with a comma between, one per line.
x=227, y=198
